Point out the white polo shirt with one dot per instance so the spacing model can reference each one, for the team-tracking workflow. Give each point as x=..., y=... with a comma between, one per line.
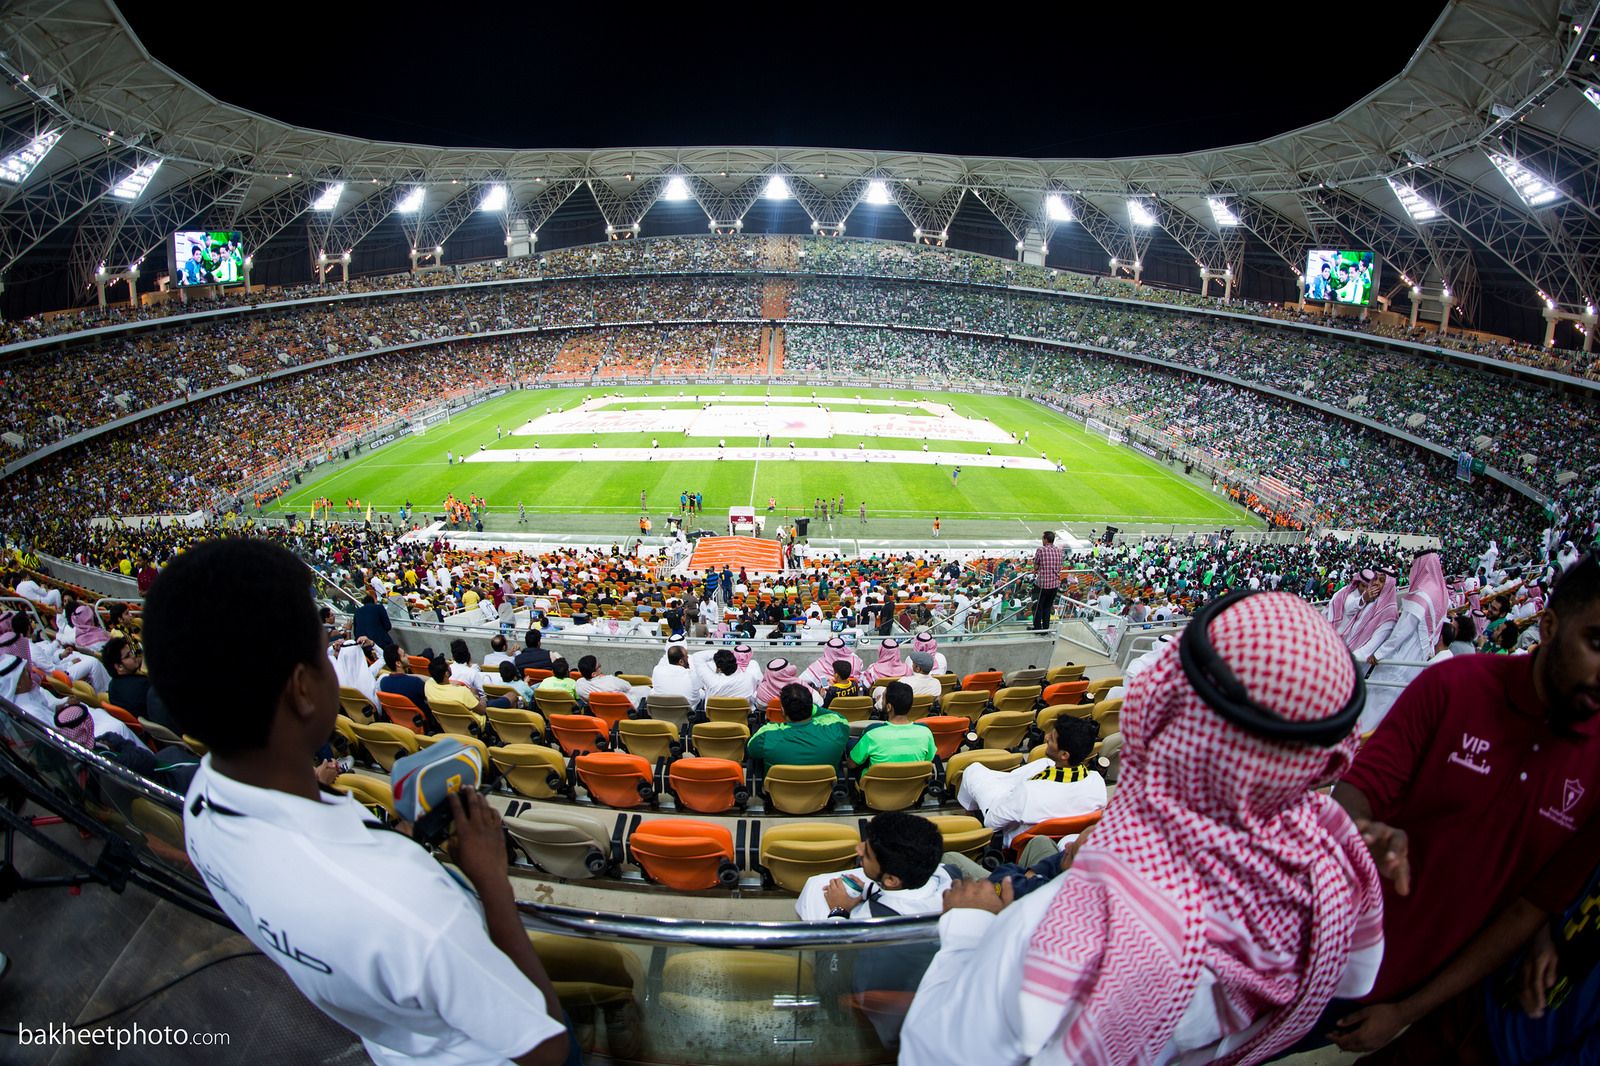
x=367, y=925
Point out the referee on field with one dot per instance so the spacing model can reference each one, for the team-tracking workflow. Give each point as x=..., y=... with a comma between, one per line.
x=1046, y=578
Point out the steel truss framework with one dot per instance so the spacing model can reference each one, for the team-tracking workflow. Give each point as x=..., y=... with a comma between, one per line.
x=1491, y=76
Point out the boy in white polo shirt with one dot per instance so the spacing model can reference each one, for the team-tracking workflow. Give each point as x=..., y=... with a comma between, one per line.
x=420, y=968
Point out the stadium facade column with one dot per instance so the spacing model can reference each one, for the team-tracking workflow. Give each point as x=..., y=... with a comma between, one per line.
x=1207, y=276
x=1587, y=321
x=1032, y=247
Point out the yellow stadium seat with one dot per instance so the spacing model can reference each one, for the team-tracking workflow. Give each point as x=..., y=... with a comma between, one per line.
x=993, y=758
x=515, y=726
x=1069, y=672
x=720, y=740
x=370, y=792
x=1003, y=729
x=1021, y=698
x=531, y=770
x=852, y=708
x=894, y=786
x=799, y=789
x=963, y=833
x=793, y=852
x=649, y=738
x=562, y=842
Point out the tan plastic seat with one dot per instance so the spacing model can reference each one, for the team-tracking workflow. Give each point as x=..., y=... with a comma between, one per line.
x=732, y=709
x=554, y=701
x=674, y=709
x=948, y=682
x=852, y=708
x=163, y=823
x=1099, y=687
x=720, y=740
x=562, y=842
x=894, y=786
x=1045, y=720
x=1003, y=729
x=993, y=758
x=162, y=735
x=1069, y=672
x=963, y=704
x=356, y=706
x=921, y=706
x=792, y=853
x=456, y=721
x=963, y=833
x=1018, y=698
x=370, y=792
x=799, y=789
x=651, y=739
x=586, y=973
x=1109, y=717
x=491, y=691
x=1031, y=676
x=386, y=742
x=515, y=726
x=637, y=680
x=735, y=991
x=527, y=769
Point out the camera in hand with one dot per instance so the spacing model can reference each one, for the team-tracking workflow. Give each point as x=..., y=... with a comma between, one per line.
x=423, y=782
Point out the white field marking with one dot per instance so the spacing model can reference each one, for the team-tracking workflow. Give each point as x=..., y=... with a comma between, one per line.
x=754, y=471
x=936, y=422
x=1012, y=462
x=748, y=455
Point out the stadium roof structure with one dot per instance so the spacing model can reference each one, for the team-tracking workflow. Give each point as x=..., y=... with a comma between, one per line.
x=1478, y=164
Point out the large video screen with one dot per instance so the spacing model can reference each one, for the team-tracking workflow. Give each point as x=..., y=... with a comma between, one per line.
x=208, y=257
x=1344, y=277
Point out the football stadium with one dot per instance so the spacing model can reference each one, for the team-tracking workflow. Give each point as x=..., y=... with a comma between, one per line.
x=1121, y=594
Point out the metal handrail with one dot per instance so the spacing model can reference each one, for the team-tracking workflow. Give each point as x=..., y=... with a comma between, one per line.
x=27, y=605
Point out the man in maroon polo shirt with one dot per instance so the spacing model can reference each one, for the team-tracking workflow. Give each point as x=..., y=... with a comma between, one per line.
x=1484, y=770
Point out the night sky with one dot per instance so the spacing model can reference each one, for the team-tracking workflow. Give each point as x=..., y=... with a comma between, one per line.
x=1070, y=83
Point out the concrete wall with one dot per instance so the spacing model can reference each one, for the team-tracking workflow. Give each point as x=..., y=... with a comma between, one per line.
x=88, y=577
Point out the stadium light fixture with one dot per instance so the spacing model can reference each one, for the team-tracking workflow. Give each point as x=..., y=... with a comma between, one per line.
x=878, y=194
x=131, y=186
x=16, y=167
x=329, y=198
x=411, y=202
x=1415, y=204
x=1221, y=214
x=677, y=189
x=1592, y=94
x=777, y=188
x=1533, y=190
x=494, y=199
x=1140, y=215
x=1056, y=209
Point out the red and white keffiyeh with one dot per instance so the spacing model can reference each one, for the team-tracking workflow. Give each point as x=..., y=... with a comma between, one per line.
x=1373, y=616
x=1216, y=853
x=1427, y=587
x=889, y=664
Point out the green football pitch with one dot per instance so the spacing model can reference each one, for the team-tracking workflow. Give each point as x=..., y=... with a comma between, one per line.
x=1102, y=482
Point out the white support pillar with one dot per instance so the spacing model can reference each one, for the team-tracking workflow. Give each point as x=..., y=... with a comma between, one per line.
x=520, y=240
x=828, y=229
x=1586, y=318
x=101, y=280
x=248, y=263
x=1300, y=287
x=344, y=269
x=1032, y=249
x=132, y=278
x=1207, y=276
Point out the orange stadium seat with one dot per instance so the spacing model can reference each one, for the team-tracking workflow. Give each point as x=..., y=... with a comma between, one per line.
x=948, y=732
x=610, y=707
x=617, y=779
x=576, y=733
x=683, y=854
x=709, y=786
x=1063, y=692
x=1055, y=829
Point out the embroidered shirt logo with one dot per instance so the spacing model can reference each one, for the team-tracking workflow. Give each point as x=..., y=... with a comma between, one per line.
x=1471, y=755
x=1571, y=794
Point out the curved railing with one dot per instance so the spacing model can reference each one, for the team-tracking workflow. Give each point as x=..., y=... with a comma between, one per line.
x=639, y=989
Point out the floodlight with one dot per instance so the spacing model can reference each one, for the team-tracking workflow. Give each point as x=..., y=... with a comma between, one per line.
x=878, y=193
x=677, y=189
x=1221, y=214
x=1592, y=95
x=1416, y=206
x=1534, y=190
x=777, y=188
x=329, y=198
x=411, y=203
x=16, y=167
x=1056, y=209
x=494, y=199
x=131, y=186
x=1139, y=214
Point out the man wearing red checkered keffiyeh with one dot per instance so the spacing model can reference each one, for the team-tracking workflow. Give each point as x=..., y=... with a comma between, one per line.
x=1219, y=906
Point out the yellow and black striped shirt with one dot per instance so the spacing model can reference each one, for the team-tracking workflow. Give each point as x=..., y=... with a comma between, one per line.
x=1064, y=775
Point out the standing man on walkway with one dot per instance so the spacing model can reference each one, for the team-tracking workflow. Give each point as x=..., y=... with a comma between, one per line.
x=1046, y=578
x=863, y=512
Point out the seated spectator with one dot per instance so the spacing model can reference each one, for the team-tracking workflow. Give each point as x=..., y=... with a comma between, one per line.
x=821, y=672
x=1219, y=825
x=920, y=680
x=398, y=678
x=925, y=643
x=353, y=670
x=592, y=680
x=497, y=653
x=899, y=875
x=804, y=739
x=84, y=633
x=463, y=669
x=1059, y=785
x=899, y=739
x=842, y=684
x=170, y=766
x=446, y=694
x=727, y=679
x=532, y=657
x=889, y=665
x=30, y=589
x=512, y=677
x=560, y=679
x=256, y=810
x=674, y=677
x=129, y=689
x=779, y=672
